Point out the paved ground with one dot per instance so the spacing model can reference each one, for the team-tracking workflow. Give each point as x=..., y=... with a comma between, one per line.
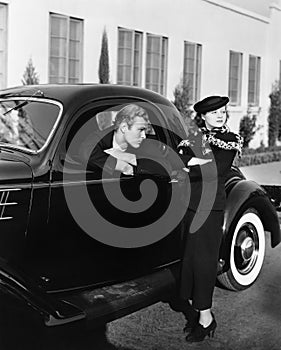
x=264, y=174
x=246, y=320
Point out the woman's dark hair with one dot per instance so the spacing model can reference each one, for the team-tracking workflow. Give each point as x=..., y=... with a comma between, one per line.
x=199, y=121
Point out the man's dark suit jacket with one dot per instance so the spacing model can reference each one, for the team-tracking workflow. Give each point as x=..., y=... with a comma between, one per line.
x=92, y=151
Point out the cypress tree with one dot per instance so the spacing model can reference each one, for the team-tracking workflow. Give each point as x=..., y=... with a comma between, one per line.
x=104, y=60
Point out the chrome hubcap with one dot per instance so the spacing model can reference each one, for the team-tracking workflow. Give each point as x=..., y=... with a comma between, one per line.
x=246, y=248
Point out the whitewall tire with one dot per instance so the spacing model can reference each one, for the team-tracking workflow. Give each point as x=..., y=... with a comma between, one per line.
x=247, y=252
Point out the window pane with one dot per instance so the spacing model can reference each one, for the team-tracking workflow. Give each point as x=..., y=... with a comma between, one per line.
x=124, y=58
x=192, y=69
x=163, y=65
x=258, y=81
x=254, y=80
x=73, y=69
x=128, y=37
x=3, y=45
x=58, y=67
x=65, y=49
x=74, y=49
x=156, y=63
x=2, y=39
x=235, y=71
x=1, y=61
x=137, y=59
x=136, y=76
x=58, y=26
x=75, y=30
x=58, y=47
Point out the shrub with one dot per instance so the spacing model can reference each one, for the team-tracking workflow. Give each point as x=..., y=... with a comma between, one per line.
x=274, y=118
x=248, y=127
x=30, y=77
x=259, y=156
x=183, y=103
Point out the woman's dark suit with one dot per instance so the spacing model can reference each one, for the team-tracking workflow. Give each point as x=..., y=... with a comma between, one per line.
x=207, y=204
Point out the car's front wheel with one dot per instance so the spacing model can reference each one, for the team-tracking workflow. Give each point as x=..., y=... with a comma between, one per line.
x=247, y=251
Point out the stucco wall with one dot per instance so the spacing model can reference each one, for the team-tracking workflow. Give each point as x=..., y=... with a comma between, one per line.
x=217, y=25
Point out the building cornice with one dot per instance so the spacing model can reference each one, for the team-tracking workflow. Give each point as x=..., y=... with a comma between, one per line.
x=275, y=7
x=240, y=10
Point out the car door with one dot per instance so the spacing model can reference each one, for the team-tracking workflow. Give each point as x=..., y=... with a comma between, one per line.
x=109, y=228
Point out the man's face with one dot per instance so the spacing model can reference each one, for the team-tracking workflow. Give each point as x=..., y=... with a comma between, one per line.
x=135, y=134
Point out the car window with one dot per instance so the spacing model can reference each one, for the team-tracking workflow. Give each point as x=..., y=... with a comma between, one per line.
x=27, y=124
x=106, y=119
x=98, y=123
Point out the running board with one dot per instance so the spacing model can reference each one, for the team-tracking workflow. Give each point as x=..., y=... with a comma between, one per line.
x=102, y=305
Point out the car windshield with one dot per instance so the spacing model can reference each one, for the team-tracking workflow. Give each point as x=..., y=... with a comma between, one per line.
x=27, y=123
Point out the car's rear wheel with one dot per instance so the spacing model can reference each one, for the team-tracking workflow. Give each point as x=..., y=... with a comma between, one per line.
x=247, y=251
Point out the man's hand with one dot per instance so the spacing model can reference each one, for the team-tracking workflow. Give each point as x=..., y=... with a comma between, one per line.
x=124, y=156
x=198, y=161
x=124, y=167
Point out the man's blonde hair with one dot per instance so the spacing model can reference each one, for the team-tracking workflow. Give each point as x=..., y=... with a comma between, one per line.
x=128, y=114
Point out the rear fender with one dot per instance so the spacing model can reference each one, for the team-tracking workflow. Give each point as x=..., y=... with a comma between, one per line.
x=247, y=192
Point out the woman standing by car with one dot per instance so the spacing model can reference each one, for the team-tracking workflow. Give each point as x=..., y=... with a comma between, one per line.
x=204, y=219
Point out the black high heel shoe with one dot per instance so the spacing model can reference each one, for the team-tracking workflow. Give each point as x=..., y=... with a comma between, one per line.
x=199, y=333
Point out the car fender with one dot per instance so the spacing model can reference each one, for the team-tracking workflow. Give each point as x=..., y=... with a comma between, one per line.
x=244, y=194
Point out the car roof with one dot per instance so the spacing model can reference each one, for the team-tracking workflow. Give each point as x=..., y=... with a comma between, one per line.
x=68, y=93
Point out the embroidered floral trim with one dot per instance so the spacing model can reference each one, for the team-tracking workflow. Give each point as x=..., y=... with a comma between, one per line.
x=185, y=143
x=227, y=145
x=215, y=141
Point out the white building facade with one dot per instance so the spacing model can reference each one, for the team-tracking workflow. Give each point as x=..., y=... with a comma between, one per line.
x=216, y=46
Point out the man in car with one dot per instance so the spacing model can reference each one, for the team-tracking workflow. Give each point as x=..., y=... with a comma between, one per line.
x=123, y=148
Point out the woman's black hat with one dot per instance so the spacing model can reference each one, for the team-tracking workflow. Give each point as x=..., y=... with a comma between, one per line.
x=210, y=103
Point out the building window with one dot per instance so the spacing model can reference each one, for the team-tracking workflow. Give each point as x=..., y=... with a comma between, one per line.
x=129, y=57
x=254, y=80
x=192, y=69
x=3, y=45
x=235, y=77
x=66, y=46
x=156, y=63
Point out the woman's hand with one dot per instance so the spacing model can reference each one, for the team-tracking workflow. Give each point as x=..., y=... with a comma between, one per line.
x=198, y=161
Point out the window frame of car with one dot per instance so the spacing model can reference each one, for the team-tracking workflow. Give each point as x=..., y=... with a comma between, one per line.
x=97, y=106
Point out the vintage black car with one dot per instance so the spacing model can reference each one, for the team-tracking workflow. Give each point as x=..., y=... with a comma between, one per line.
x=58, y=262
